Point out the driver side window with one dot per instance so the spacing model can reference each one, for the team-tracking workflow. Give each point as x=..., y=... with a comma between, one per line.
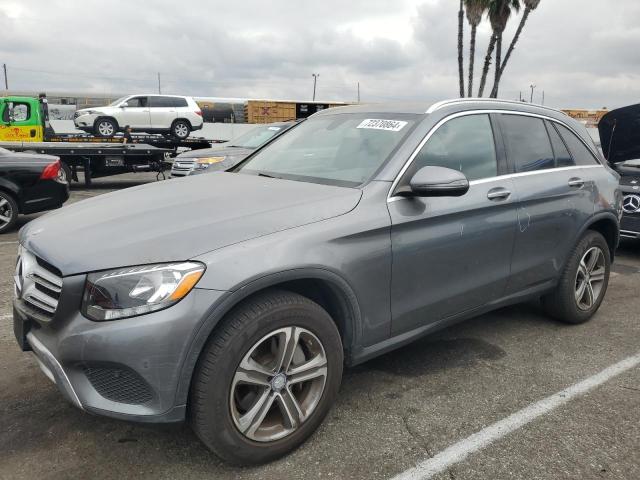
x=137, y=102
x=465, y=144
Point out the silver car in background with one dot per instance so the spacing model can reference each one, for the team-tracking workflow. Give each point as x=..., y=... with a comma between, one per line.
x=227, y=154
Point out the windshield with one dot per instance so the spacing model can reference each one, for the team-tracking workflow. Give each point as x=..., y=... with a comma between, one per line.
x=341, y=149
x=117, y=102
x=257, y=137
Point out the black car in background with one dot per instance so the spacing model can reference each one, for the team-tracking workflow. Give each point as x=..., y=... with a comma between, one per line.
x=29, y=183
x=620, y=139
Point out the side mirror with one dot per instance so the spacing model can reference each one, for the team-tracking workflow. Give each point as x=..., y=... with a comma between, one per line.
x=124, y=104
x=436, y=182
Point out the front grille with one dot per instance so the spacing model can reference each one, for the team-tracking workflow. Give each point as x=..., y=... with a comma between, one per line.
x=630, y=223
x=119, y=384
x=38, y=284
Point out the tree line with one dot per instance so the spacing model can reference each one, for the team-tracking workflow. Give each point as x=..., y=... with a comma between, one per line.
x=498, y=13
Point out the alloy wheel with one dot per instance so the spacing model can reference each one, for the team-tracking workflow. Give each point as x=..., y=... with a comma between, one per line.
x=6, y=212
x=106, y=129
x=181, y=130
x=590, y=278
x=278, y=384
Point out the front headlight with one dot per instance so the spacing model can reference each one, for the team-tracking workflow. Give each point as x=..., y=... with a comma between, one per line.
x=202, y=163
x=127, y=292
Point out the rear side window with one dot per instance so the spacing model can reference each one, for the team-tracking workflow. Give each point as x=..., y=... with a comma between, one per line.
x=527, y=143
x=167, y=102
x=465, y=144
x=581, y=154
x=563, y=157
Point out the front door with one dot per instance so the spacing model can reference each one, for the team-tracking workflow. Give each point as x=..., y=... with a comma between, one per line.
x=135, y=114
x=452, y=255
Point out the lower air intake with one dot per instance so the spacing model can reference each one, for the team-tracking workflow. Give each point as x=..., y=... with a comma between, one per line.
x=119, y=385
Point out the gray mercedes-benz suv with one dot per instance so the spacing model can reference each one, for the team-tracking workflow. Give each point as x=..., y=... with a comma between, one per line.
x=361, y=229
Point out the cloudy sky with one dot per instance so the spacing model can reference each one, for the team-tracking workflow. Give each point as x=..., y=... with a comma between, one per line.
x=582, y=53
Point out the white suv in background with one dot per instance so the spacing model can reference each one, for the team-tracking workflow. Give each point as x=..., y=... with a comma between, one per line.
x=171, y=114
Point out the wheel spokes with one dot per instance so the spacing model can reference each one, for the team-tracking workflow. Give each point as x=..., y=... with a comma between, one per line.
x=287, y=343
x=314, y=368
x=252, y=373
x=290, y=408
x=251, y=421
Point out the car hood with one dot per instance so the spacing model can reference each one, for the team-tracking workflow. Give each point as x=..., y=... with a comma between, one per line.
x=178, y=220
x=217, y=151
x=620, y=134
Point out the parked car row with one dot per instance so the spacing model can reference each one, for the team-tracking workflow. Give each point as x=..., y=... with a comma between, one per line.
x=357, y=231
x=226, y=155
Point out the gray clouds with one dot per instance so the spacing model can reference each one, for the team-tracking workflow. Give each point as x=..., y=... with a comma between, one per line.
x=583, y=53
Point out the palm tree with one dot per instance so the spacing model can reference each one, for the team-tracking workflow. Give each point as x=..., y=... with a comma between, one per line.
x=530, y=5
x=460, y=47
x=499, y=14
x=475, y=9
x=487, y=64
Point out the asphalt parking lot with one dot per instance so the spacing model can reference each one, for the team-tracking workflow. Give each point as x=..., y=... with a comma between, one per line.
x=393, y=412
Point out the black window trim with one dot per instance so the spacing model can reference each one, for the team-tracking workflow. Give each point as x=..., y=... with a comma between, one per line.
x=392, y=197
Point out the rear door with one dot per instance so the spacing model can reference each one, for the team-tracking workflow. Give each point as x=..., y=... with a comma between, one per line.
x=554, y=199
x=164, y=110
x=451, y=255
x=135, y=114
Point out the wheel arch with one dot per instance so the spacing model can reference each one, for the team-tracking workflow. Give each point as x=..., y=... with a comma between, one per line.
x=13, y=190
x=183, y=120
x=607, y=225
x=324, y=287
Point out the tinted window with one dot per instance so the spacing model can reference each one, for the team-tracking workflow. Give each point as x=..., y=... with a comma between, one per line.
x=581, y=154
x=167, y=102
x=465, y=144
x=527, y=143
x=563, y=157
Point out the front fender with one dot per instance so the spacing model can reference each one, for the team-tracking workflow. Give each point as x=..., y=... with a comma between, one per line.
x=244, y=291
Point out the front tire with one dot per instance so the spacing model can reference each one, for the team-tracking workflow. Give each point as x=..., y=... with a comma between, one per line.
x=8, y=212
x=583, y=283
x=180, y=129
x=267, y=379
x=105, y=127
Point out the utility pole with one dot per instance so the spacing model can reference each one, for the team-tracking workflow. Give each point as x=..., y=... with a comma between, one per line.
x=533, y=87
x=358, y=92
x=543, y=97
x=315, y=81
x=6, y=82
x=159, y=89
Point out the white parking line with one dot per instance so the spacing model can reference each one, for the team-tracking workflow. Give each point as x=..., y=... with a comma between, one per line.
x=461, y=450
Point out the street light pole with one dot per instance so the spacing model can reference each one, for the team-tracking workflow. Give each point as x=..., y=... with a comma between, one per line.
x=533, y=87
x=315, y=81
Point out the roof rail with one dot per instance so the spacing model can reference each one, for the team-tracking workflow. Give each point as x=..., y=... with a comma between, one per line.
x=444, y=103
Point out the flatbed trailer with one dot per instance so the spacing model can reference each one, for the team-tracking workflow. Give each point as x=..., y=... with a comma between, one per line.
x=23, y=129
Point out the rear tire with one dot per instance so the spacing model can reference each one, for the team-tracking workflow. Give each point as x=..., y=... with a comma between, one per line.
x=8, y=212
x=180, y=129
x=65, y=173
x=583, y=283
x=247, y=421
x=105, y=127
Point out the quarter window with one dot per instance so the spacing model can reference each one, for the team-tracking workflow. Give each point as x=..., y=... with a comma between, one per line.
x=465, y=144
x=527, y=143
x=581, y=154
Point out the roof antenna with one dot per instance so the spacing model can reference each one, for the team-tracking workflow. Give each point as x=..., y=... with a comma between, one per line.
x=613, y=131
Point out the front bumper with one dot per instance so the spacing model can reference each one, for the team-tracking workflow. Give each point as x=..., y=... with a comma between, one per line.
x=127, y=369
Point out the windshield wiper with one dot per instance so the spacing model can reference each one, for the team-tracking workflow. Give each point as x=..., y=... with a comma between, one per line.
x=268, y=176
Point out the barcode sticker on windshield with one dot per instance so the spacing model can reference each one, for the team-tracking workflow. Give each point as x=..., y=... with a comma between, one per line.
x=380, y=124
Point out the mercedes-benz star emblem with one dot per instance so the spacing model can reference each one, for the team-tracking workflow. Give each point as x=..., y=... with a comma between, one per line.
x=631, y=204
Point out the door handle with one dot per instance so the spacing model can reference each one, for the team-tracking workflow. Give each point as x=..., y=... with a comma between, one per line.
x=576, y=182
x=498, y=193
